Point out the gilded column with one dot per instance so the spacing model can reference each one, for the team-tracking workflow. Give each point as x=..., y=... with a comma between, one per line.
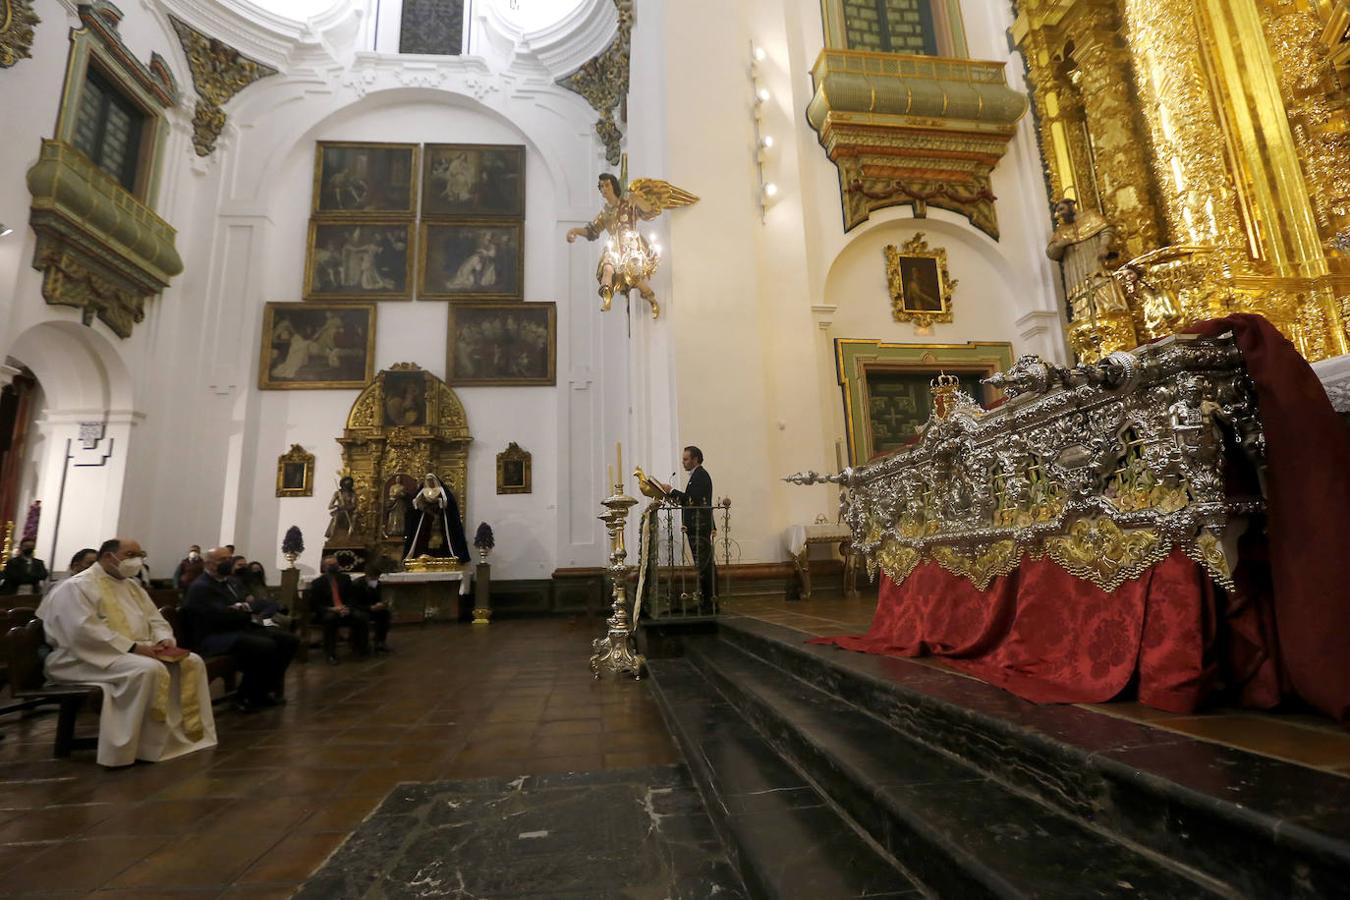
x=1119, y=150
x=1190, y=164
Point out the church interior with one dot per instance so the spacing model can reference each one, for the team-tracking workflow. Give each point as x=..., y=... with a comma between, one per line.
x=942, y=418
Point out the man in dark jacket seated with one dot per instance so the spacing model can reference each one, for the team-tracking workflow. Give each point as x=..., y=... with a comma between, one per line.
x=333, y=603
x=219, y=621
x=367, y=598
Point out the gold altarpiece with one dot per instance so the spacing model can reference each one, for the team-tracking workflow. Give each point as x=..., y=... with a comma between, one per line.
x=405, y=423
x=1215, y=136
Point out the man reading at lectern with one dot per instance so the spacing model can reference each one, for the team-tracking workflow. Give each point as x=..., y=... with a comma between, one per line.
x=696, y=498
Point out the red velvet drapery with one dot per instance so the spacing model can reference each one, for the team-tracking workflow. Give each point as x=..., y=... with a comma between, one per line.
x=1050, y=637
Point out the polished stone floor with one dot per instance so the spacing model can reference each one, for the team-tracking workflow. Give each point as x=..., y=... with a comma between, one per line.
x=1304, y=739
x=257, y=815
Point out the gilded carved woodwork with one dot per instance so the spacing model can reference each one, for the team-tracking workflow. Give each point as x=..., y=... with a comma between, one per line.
x=603, y=81
x=913, y=130
x=1104, y=469
x=218, y=73
x=432, y=437
x=99, y=248
x=17, y=21
x=934, y=300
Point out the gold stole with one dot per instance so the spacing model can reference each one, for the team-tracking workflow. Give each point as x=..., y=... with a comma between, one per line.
x=110, y=608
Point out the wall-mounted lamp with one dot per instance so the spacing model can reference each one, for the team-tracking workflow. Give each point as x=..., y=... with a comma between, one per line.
x=5, y=229
x=763, y=142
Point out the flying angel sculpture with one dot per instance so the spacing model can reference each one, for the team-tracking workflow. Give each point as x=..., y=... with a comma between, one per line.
x=629, y=259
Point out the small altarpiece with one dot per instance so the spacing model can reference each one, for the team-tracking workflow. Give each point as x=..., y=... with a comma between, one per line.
x=405, y=423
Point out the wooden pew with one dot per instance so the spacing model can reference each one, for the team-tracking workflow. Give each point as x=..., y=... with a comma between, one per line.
x=24, y=648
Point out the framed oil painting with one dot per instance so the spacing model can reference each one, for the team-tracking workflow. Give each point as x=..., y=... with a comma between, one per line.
x=473, y=181
x=886, y=387
x=405, y=400
x=364, y=179
x=502, y=344
x=359, y=260
x=514, y=474
x=312, y=346
x=471, y=261
x=920, y=286
x=295, y=473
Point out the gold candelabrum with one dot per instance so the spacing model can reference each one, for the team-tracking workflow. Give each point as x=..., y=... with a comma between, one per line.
x=616, y=652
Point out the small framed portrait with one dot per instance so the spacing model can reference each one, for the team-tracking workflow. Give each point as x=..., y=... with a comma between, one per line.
x=473, y=180
x=471, y=261
x=513, y=470
x=405, y=399
x=502, y=344
x=295, y=473
x=920, y=286
x=311, y=346
x=359, y=261
x=363, y=179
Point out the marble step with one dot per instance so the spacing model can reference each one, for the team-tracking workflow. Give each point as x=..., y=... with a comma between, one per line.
x=1261, y=826
x=960, y=832
x=781, y=835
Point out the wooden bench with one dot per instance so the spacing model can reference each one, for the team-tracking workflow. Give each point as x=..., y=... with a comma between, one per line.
x=221, y=667
x=25, y=648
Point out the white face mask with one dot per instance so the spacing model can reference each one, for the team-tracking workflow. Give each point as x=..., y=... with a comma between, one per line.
x=130, y=568
x=372, y=581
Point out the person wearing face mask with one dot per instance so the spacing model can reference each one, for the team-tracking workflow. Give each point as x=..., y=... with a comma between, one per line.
x=332, y=598
x=218, y=621
x=24, y=572
x=105, y=630
x=367, y=598
x=189, y=568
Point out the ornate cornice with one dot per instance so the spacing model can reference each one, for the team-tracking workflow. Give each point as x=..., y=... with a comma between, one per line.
x=99, y=248
x=603, y=81
x=913, y=130
x=218, y=73
x=17, y=21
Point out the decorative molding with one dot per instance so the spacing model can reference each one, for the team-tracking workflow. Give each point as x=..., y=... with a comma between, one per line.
x=913, y=130
x=17, y=21
x=99, y=248
x=218, y=73
x=603, y=81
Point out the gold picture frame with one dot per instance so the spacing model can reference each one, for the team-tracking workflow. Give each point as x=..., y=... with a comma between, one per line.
x=886, y=385
x=920, y=285
x=343, y=359
x=356, y=250
x=514, y=474
x=295, y=473
x=459, y=257
x=498, y=344
x=473, y=181
x=375, y=190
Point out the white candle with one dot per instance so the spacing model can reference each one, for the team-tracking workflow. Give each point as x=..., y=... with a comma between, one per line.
x=618, y=446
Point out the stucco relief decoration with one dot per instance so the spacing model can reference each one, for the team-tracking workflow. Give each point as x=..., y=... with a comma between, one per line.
x=603, y=81
x=218, y=73
x=17, y=20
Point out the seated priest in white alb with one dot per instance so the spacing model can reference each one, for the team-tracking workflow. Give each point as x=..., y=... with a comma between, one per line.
x=105, y=631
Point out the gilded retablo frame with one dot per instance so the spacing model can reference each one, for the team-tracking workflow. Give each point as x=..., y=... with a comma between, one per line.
x=920, y=285
x=295, y=473
x=514, y=474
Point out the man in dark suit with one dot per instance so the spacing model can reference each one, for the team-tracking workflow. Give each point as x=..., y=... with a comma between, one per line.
x=696, y=498
x=24, y=572
x=367, y=599
x=332, y=602
x=218, y=621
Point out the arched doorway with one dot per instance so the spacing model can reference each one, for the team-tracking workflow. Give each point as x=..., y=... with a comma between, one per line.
x=74, y=455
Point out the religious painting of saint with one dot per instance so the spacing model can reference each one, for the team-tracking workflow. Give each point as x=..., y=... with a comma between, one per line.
x=502, y=344
x=920, y=286
x=311, y=346
x=471, y=261
x=405, y=399
x=473, y=180
x=899, y=402
x=513, y=470
x=364, y=179
x=295, y=473
x=359, y=261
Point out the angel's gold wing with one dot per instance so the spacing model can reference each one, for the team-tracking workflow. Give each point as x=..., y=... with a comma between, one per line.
x=655, y=195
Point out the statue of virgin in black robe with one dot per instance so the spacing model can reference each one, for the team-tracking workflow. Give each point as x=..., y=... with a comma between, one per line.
x=434, y=527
